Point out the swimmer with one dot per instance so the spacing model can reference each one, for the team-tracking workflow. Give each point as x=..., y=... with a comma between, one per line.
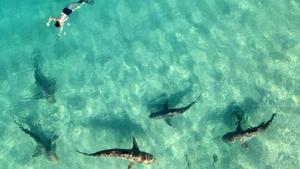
x=64, y=16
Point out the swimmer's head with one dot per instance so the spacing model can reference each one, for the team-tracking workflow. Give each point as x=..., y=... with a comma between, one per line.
x=57, y=24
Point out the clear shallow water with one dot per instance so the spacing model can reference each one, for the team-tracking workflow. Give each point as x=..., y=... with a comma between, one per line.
x=120, y=58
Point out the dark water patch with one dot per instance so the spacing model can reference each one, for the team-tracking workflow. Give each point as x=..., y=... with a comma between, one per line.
x=154, y=21
x=60, y=52
x=24, y=106
x=179, y=47
x=227, y=115
x=135, y=5
x=223, y=7
x=249, y=105
x=77, y=79
x=120, y=124
x=3, y=73
x=241, y=110
x=90, y=58
x=217, y=75
x=2, y=129
x=76, y=102
x=107, y=16
x=166, y=12
x=104, y=59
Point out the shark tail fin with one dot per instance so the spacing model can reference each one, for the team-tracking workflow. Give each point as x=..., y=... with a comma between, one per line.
x=270, y=121
x=18, y=124
x=83, y=153
x=197, y=98
x=194, y=101
x=273, y=115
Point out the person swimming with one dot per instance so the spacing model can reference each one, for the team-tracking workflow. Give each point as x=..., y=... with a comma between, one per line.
x=64, y=16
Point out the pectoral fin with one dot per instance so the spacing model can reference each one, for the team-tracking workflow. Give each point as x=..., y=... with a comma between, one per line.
x=54, y=138
x=130, y=166
x=38, y=151
x=245, y=145
x=38, y=95
x=168, y=121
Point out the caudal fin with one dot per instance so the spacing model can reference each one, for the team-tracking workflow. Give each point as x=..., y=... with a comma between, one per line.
x=83, y=153
x=273, y=115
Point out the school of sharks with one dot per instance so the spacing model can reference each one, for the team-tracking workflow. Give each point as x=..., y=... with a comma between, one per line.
x=46, y=145
x=46, y=89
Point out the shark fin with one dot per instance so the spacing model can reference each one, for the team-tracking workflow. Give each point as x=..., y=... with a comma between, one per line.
x=135, y=146
x=131, y=164
x=239, y=128
x=38, y=151
x=168, y=121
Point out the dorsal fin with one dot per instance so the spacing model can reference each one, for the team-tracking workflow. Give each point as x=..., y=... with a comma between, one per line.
x=135, y=146
x=239, y=128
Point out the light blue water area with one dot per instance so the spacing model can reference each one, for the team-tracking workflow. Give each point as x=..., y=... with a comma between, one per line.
x=122, y=59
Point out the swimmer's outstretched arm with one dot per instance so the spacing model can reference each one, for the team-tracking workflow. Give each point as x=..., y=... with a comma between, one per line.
x=50, y=20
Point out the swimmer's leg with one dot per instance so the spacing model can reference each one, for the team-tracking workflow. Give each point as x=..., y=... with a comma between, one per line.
x=90, y=2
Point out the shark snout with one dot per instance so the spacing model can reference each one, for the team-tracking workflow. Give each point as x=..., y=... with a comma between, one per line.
x=228, y=137
x=148, y=159
x=155, y=115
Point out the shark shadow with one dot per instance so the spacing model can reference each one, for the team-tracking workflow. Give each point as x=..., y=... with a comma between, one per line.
x=173, y=99
x=239, y=111
x=45, y=145
x=121, y=125
x=46, y=87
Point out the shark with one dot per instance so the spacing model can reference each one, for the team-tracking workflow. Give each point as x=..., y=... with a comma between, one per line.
x=45, y=145
x=167, y=113
x=244, y=135
x=134, y=155
x=45, y=84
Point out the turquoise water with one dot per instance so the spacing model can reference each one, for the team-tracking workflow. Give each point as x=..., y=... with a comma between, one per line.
x=120, y=59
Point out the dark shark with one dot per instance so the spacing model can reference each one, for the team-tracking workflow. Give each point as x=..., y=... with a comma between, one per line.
x=46, y=85
x=44, y=145
x=134, y=155
x=166, y=113
x=244, y=135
